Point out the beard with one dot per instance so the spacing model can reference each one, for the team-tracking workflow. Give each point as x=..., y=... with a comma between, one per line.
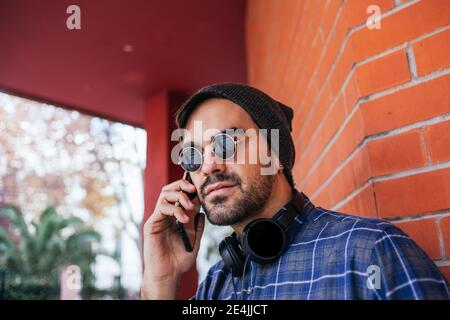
x=245, y=202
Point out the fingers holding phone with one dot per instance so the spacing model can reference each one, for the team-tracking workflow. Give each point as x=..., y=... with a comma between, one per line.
x=165, y=254
x=180, y=227
x=170, y=195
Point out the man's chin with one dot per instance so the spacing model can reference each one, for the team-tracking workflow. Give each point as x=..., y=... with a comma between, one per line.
x=218, y=207
x=218, y=220
x=217, y=214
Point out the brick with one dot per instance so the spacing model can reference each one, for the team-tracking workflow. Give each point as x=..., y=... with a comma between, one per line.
x=296, y=174
x=322, y=171
x=362, y=204
x=306, y=105
x=351, y=136
x=355, y=11
x=433, y=53
x=341, y=70
x=293, y=71
x=361, y=167
x=301, y=169
x=444, y=224
x=407, y=24
x=383, y=73
x=331, y=123
x=317, y=8
x=315, y=178
x=329, y=16
x=437, y=138
x=331, y=50
x=351, y=177
x=313, y=57
x=308, y=160
x=425, y=233
x=311, y=183
x=351, y=92
x=316, y=118
x=415, y=194
x=342, y=184
x=341, y=149
x=300, y=91
x=300, y=114
x=385, y=157
x=420, y=102
x=285, y=17
x=323, y=198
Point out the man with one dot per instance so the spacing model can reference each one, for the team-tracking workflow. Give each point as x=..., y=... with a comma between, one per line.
x=325, y=255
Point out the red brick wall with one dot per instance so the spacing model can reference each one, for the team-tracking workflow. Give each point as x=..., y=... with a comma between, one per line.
x=372, y=107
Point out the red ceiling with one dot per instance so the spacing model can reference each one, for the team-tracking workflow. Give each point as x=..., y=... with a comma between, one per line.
x=176, y=45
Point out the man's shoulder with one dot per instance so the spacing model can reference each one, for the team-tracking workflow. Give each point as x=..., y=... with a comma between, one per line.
x=217, y=270
x=335, y=226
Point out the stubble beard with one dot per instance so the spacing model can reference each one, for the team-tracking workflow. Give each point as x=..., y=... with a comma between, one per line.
x=245, y=202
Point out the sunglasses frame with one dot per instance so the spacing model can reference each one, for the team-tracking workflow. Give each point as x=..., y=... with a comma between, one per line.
x=201, y=151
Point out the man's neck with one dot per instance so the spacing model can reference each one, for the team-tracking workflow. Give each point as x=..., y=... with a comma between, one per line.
x=281, y=194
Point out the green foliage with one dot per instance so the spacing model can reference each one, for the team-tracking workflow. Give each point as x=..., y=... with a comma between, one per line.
x=16, y=286
x=33, y=254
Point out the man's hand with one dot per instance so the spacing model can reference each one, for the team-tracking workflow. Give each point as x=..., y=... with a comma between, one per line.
x=165, y=258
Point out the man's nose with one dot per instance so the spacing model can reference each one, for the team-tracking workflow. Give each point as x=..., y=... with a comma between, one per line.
x=211, y=164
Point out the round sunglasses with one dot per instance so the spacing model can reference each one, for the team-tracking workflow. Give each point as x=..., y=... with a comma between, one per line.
x=223, y=147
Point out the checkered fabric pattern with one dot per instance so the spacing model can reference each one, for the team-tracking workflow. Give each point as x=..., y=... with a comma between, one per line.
x=335, y=256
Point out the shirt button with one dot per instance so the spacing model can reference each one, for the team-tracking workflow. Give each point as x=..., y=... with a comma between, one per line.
x=249, y=290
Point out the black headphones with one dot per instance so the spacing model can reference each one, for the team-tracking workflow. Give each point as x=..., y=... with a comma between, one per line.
x=263, y=240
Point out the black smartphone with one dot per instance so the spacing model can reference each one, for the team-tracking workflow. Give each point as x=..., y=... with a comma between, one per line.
x=180, y=226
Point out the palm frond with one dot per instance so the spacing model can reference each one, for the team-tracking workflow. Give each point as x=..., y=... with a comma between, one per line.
x=15, y=216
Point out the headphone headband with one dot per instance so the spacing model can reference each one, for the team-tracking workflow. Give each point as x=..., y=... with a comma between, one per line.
x=287, y=214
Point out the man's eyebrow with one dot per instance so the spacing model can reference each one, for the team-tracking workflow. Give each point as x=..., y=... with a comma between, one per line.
x=191, y=143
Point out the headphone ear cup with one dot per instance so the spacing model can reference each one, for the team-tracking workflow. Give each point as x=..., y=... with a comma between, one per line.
x=264, y=240
x=232, y=255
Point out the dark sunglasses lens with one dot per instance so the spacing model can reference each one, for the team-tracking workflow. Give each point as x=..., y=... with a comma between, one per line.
x=224, y=146
x=190, y=159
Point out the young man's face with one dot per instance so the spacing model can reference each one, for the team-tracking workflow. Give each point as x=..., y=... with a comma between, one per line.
x=244, y=190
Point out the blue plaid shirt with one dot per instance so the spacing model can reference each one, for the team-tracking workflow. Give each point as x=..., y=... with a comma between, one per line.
x=335, y=256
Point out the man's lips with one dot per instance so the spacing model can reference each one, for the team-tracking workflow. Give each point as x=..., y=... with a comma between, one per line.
x=218, y=187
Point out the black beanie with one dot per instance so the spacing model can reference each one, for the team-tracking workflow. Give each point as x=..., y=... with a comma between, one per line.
x=266, y=112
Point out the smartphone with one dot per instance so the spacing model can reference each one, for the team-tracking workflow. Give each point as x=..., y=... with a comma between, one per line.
x=180, y=226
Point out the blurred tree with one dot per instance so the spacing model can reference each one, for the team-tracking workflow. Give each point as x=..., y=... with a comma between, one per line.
x=45, y=246
x=88, y=167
